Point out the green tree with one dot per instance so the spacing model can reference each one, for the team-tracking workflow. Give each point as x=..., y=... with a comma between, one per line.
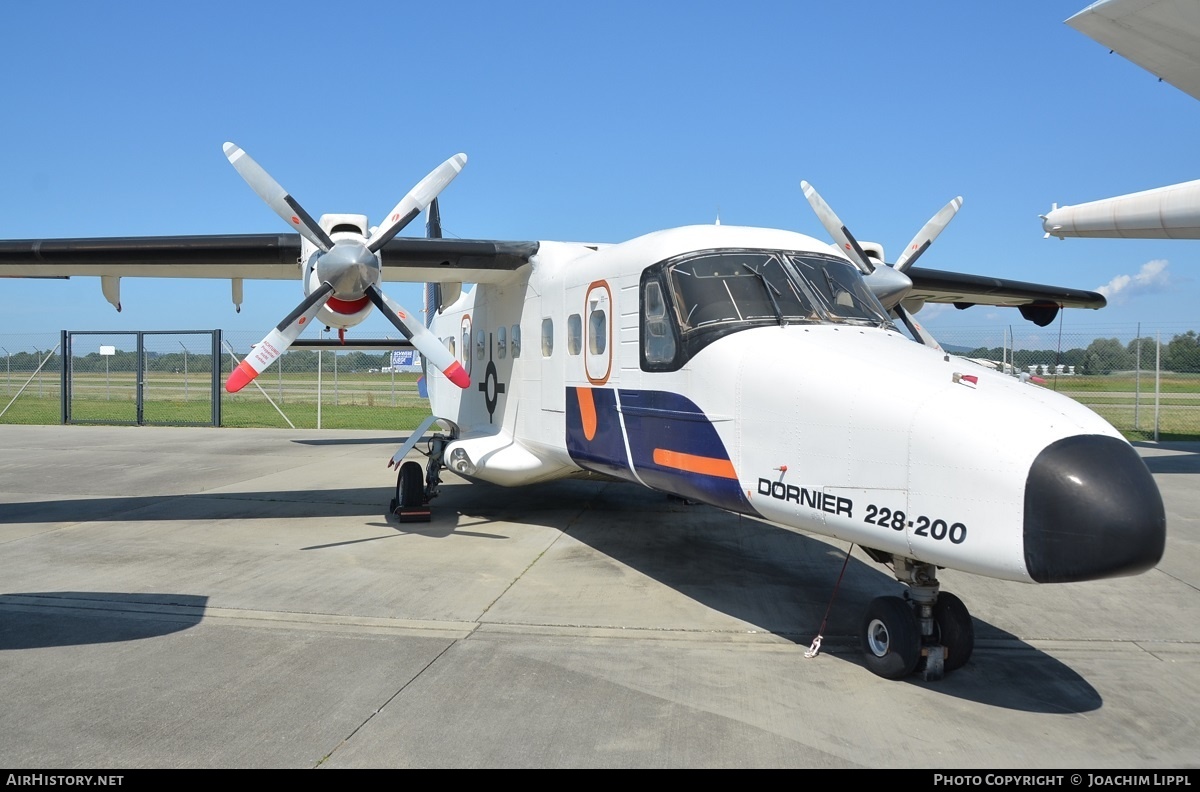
x=1106, y=355
x=1146, y=345
x=1182, y=353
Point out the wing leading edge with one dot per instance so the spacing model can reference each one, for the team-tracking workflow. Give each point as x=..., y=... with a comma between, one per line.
x=1037, y=302
x=1161, y=36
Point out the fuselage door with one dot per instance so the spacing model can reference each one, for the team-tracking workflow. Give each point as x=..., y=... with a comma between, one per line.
x=598, y=332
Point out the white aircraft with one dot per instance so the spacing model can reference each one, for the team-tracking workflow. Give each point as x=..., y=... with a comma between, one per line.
x=756, y=370
x=1163, y=37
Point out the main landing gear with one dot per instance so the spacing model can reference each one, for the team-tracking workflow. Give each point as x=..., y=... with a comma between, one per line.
x=414, y=489
x=926, y=631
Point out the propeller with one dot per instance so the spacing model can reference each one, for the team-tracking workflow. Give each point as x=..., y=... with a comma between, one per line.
x=440, y=357
x=278, y=340
x=417, y=200
x=276, y=197
x=889, y=284
x=836, y=228
x=929, y=232
x=348, y=269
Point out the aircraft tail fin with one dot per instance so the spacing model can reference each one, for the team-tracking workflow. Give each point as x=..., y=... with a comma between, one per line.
x=433, y=291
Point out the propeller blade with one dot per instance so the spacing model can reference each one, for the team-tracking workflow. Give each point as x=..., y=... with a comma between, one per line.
x=914, y=327
x=416, y=201
x=836, y=228
x=278, y=340
x=924, y=238
x=425, y=342
x=276, y=197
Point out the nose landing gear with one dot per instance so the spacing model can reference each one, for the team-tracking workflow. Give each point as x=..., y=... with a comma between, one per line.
x=927, y=631
x=415, y=489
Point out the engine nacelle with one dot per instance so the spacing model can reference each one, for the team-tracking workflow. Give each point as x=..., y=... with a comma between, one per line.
x=337, y=312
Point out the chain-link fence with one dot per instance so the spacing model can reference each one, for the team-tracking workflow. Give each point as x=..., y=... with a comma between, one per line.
x=1144, y=379
x=324, y=388
x=304, y=389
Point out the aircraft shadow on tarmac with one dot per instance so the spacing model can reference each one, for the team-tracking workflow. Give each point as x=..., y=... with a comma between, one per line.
x=355, y=502
x=339, y=441
x=1185, y=460
x=349, y=502
x=38, y=620
x=432, y=530
x=778, y=581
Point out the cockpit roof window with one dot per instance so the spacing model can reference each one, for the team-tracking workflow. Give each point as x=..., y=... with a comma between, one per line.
x=729, y=287
x=737, y=286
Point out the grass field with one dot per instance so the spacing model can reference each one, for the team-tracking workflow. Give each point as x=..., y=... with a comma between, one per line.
x=354, y=401
x=377, y=401
x=1113, y=396
x=1126, y=382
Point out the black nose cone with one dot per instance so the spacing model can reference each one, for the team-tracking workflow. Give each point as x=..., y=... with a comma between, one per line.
x=1092, y=510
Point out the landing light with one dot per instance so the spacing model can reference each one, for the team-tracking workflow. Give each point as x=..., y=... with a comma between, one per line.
x=461, y=463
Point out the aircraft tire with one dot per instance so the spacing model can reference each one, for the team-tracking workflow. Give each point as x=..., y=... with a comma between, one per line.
x=410, y=486
x=956, y=629
x=891, y=639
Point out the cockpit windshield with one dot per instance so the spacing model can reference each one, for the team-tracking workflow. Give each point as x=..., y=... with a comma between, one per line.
x=758, y=287
x=840, y=287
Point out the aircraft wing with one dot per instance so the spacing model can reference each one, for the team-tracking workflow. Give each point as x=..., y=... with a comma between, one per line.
x=1161, y=36
x=1038, y=303
x=253, y=256
x=1171, y=212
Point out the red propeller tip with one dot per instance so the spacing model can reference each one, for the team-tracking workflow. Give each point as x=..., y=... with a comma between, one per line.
x=458, y=375
x=241, y=377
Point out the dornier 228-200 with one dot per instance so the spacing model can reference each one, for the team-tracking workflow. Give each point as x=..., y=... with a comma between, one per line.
x=734, y=366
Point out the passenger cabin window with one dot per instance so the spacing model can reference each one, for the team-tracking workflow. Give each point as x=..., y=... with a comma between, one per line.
x=501, y=342
x=480, y=344
x=574, y=334
x=597, y=332
x=516, y=340
x=547, y=337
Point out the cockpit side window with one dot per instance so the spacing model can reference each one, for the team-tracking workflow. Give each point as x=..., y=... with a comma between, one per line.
x=658, y=340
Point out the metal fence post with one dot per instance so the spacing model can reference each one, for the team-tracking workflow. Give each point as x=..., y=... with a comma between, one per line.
x=64, y=370
x=1157, y=378
x=141, y=379
x=216, y=377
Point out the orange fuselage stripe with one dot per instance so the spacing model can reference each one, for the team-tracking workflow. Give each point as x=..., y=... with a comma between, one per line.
x=587, y=412
x=706, y=466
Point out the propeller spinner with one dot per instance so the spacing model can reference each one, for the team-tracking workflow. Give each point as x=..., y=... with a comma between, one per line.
x=347, y=270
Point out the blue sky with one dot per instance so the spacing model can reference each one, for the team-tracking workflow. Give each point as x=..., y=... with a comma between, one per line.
x=595, y=122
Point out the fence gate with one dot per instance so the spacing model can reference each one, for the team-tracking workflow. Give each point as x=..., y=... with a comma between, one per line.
x=159, y=377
